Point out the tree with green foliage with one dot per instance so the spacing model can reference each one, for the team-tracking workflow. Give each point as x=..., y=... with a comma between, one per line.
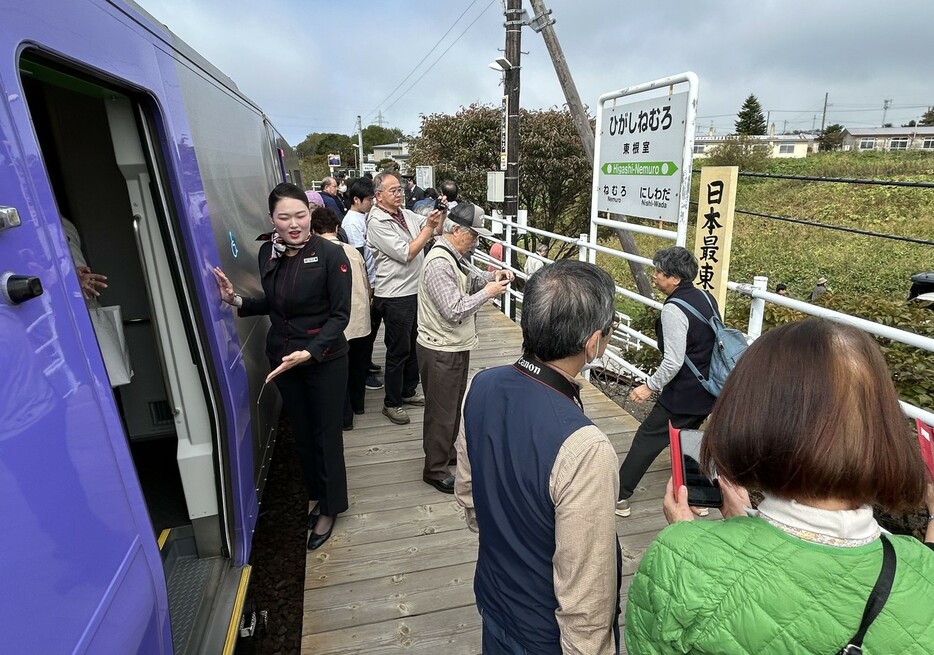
x=831, y=138
x=741, y=151
x=927, y=120
x=555, y=184
x=750, y=120
x=376, y=135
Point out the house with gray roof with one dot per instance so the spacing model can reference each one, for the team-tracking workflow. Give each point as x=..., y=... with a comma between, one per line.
x=888, y=138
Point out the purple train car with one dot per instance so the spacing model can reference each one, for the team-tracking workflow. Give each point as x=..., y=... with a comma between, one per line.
x=129, y=489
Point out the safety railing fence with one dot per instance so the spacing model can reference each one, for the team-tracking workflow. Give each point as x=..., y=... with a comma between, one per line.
x=626, y=338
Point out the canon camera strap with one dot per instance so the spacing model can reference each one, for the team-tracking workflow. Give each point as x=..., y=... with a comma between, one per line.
x=549, y=377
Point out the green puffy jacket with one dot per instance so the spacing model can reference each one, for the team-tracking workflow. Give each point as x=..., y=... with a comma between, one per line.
x=743, y=586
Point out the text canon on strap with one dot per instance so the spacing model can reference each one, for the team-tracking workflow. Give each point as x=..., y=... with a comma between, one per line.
x=549, y=377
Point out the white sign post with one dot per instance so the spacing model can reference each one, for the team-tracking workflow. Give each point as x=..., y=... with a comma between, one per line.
x=425, y=176
x=643, y=154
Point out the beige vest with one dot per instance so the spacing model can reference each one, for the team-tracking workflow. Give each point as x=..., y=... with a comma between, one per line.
x=359, y=323
x=435, y=331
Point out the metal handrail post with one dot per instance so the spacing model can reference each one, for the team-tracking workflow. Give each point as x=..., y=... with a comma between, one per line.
x=757, y=308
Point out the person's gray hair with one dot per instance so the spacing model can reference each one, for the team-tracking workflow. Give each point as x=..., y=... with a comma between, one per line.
x=676, y=261
x=564, y=303
x=382, y=175
x=424, y=209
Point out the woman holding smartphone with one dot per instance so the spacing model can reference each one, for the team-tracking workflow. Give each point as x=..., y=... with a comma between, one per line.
x=810, y=417
x=306, y=282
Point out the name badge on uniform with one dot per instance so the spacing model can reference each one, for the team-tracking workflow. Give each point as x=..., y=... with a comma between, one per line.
x=310, y=260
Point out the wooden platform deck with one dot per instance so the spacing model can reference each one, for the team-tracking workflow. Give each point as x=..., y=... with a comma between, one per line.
x=397, y=574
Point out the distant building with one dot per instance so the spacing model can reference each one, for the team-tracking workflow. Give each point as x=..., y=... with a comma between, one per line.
x=398, y=152
x=889, y=138
x=782, y=145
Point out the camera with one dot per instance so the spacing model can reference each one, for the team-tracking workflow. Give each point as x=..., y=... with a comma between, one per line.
x=440, y=204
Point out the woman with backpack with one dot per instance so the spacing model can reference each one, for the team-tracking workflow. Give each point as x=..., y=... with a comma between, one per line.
x=682, y=399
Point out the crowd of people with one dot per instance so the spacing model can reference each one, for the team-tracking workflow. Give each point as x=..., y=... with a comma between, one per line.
x=337, y=265
x=809, y=418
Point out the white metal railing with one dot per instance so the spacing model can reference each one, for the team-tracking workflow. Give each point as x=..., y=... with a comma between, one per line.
x=626, y=337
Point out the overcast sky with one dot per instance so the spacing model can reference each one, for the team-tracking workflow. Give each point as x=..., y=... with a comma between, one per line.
x=314, y=66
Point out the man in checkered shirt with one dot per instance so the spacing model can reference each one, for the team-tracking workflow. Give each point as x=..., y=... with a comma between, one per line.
x=450, y=292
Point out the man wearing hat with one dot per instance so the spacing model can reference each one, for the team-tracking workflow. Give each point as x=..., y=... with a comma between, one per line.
x=819, y=289
x=450, y=292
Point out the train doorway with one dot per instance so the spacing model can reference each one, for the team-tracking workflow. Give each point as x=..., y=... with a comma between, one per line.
x=97, y=150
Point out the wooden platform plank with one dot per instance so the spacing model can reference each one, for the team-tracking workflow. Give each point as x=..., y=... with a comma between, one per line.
x=373, y=560
x=390, y=597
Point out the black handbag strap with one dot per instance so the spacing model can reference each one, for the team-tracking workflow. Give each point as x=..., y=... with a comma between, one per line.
x=877, y=597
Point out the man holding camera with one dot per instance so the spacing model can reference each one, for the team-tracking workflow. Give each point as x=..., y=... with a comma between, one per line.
x=397, y=237
x=450, y=292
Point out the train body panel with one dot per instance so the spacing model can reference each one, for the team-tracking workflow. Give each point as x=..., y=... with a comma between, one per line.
x=108, y=120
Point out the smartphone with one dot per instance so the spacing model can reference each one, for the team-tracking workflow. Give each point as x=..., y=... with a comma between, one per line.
x=439, y=204
x=686, y=470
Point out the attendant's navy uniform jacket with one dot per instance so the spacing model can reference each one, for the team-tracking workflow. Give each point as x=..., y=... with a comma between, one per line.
x=307, y=298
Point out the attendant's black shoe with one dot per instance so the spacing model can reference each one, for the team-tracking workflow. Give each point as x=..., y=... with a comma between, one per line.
x=359, y=412
x=315, y=540
x=374, y=368
x=445, y=486
x=348, y=427
x=313, y=518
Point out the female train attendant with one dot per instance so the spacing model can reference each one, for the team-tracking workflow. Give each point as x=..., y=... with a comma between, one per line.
x=306, y=283
x=810, y=417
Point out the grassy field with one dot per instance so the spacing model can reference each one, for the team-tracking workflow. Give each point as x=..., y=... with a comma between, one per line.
x=868, y=276
x=797, y=254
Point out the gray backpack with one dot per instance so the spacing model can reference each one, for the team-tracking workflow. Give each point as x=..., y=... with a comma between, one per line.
x=728, y=345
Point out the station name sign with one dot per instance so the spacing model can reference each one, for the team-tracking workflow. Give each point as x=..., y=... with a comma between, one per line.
x=641, y=146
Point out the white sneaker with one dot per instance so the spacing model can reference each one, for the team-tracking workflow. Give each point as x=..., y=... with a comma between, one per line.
x=622, y=508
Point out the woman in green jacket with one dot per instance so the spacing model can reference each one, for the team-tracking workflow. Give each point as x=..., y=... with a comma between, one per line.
x=810, y=417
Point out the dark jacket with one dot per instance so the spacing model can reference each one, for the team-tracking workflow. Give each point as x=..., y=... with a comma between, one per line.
x=684, y=394
x=334, y=203
x=308, y=301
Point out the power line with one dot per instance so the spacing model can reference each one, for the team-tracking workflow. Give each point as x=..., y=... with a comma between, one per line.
x=441, y=56
x=415, y=68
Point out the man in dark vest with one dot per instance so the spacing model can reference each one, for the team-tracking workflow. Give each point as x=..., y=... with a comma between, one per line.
x=681, y=400
x=537, y=478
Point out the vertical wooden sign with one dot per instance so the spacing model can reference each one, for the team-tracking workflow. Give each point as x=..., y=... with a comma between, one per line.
x=714, y=237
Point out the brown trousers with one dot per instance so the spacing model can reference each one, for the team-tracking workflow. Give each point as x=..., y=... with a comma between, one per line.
x=444, y=382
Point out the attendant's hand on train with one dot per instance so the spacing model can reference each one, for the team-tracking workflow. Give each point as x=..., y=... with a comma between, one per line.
x=735, y=499
x=225, y=287
x=290, y=360
x=641, y=393
x=677, y=509
x=90, y=282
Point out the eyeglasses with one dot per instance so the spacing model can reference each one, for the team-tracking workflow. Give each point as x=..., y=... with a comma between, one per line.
x=612, y=327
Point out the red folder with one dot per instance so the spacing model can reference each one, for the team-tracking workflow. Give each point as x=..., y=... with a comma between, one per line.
x=926, y=441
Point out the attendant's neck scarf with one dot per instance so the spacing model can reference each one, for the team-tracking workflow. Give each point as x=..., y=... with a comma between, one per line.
x=279, y=246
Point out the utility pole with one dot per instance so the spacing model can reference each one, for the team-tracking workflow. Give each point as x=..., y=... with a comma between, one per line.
x=823, y=118
x=582, y=123
x=885, y=108
x=360, y=145
x=513, y=25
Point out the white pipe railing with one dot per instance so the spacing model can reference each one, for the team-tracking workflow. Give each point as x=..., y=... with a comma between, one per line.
x=756, y=291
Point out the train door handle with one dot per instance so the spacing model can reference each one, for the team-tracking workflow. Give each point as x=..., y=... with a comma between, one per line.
x=16, y=289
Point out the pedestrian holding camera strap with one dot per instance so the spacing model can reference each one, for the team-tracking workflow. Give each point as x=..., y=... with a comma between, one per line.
x=877, y=598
